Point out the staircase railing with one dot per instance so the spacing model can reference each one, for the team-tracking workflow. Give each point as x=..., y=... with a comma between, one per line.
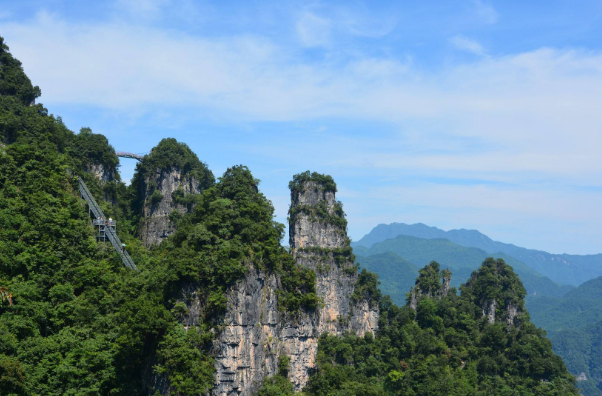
x=109, y=231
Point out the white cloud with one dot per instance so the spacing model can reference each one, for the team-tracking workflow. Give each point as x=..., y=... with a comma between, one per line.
x=466, y=44
x=532, y=115
x=313, y=30
x=535, y=107
x=486, y=12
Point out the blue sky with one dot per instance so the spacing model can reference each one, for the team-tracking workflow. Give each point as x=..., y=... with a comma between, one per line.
x=469, y=114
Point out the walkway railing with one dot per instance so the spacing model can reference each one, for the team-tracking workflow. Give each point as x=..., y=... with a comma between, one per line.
x=126, y=154
x=110, y=232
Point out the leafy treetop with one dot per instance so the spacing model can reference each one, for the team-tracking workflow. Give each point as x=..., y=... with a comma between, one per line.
x=495, y=280
x=13, y=80
x=326, y=181
x=92, y=148
x=169, y=154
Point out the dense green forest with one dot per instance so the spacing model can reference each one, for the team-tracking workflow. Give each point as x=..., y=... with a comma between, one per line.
x=73, y=321
x=574, y=324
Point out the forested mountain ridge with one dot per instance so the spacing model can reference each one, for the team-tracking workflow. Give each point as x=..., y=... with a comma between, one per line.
x=461, y=260
x=574, y=324
x=78, y=322
x=562, y=268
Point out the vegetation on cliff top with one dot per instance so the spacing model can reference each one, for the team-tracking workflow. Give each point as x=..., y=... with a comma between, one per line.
x=170, y=154
x=320, y=211
x=325, y=181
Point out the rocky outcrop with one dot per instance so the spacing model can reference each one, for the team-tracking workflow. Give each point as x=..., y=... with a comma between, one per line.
x=101, y=172
x=159, y=201
x=431, y=283
x=307, y=229
x=255, y=331
x=508, y=314
x=489, y=308
x=498, y=291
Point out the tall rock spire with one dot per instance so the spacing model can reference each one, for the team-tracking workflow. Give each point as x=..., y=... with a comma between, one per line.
x=256, y=332
x=316, y=218
x=165, y=181
x=498, y=291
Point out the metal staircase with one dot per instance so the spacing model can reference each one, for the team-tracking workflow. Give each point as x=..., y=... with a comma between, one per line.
x=109, y=231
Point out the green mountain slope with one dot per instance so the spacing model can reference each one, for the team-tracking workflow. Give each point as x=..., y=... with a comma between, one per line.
x=574, y=324
x=581, y=349
x=397, y=275
x=561, y=268
x=460, y=260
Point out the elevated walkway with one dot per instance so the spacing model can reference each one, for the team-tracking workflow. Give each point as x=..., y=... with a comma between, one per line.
x=108, y=230
x=125, y=154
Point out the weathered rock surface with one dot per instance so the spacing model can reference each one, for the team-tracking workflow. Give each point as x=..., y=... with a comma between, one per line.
x=101, y=172
x=256, y=333
x=156, y=226
x=305, y=231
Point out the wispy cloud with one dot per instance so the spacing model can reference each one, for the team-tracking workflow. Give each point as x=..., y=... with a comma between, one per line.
x=486, y=12
x=466, y=44
x=313, y=30
x=540, y=105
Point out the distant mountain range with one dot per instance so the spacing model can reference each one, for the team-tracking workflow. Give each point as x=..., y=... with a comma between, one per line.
x=397, y=261
x=562, y=268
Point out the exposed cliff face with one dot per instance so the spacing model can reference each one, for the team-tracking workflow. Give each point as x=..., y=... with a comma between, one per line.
x=102, y=172
x=257, y=333
x=306, y=229
x=157, y=191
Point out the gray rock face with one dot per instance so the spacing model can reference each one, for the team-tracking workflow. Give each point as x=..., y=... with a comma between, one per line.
x=510, y=314
x=256, y=333
x=305, y=231
x=489, y=309
x=101, y=173
x=156, y=226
